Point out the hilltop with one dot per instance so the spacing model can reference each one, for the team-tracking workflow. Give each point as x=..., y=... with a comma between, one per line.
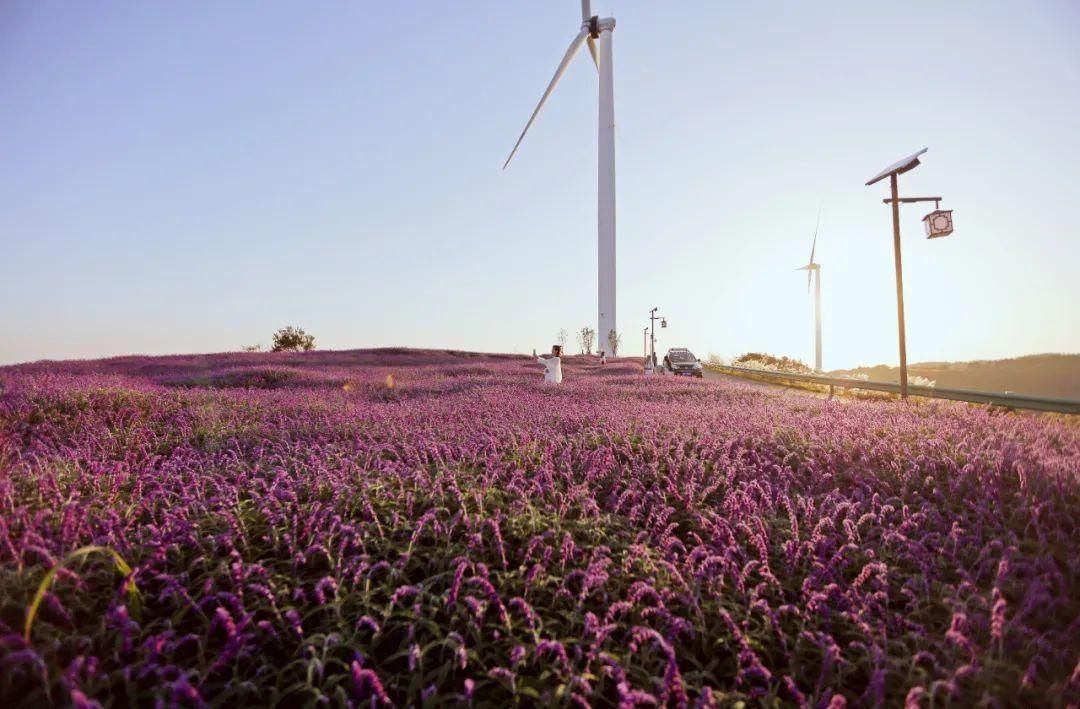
x=1054, y=375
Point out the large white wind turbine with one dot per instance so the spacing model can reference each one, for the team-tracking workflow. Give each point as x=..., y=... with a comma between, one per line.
x=813, y=271
x=596, y=32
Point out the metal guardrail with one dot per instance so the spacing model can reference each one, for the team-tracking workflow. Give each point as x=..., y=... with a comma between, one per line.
x=1013, y=401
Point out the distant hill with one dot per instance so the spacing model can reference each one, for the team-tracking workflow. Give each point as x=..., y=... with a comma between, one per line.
x=1054, y=375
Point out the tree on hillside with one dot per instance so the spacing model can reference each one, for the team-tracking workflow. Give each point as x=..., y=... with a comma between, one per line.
x=762, y=360
x=562, y=337
x=251, y=348
x=293, y=339
x=614, y=339
x=585, y=339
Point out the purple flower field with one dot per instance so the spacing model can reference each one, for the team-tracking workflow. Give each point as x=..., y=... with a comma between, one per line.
x=399, y=527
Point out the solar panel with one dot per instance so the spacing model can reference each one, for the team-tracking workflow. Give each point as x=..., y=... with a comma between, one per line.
x=899, y=168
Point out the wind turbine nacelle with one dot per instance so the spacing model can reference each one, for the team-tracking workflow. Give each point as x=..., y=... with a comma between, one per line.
x=938, y=223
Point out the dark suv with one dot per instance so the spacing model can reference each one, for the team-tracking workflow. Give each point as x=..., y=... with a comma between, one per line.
x=682, y=362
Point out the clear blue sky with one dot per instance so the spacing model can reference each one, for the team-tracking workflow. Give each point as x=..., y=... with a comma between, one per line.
x=190, y=176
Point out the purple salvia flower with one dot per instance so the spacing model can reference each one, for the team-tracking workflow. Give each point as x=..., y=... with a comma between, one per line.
x=578, y=700
x=503, y=674
x=875, y=690
x=267, y=627
x=223, y=620
x=493, y=597
x=403, y=592
x=420, y=524
x=117, y=618
x=793, y=691
x=459, y=574
x=566, y=549
x=751, y=671
x=366, y=621
x=81, y=701
x=534, y=571
x=57, y=613
x=477, y=607
x=634, y=697
x=553, y=647
x=911, y=701
x=496, y=534
x=522, y=606
x=673, y=690
x=183, y=692
x=956, y=633
x=325, y=589
x=997, y=615
x=460, y=653
x=293, y=618
x=366, y=684
x=874, y=568
x=616, y=609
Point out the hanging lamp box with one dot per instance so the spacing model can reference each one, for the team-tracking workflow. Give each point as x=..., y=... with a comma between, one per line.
x=938, y=223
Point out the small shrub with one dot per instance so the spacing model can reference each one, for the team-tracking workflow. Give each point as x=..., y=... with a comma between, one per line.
x=293, y=339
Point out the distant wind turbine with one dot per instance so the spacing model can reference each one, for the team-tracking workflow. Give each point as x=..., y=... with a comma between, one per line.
x=596, y=32
x=813, y=271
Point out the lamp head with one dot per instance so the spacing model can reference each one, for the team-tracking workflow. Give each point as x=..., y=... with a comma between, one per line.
x=938, y=223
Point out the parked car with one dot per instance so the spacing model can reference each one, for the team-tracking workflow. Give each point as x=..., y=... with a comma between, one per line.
x=682, y=363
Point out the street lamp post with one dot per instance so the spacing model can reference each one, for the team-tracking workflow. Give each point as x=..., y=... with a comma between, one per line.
x=653, y=317
x=899, y=284
x=892, y=172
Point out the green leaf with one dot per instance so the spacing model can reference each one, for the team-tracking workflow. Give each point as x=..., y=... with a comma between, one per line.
x=39, y=595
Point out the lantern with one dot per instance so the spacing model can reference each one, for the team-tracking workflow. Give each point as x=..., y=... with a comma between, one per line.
x=938, y=223
x=663, y=323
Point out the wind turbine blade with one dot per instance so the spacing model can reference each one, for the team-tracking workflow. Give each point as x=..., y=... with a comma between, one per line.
x=809, y=268
x=813, y=248
x=592, y=51
x=571, y=52
x=586, y=10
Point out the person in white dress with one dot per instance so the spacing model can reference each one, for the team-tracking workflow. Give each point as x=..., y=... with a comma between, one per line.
x=552, y=365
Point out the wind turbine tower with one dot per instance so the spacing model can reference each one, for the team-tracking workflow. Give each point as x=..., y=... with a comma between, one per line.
x=813, y=272
x=596, y=32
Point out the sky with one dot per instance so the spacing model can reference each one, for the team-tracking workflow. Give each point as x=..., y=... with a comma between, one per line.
x=189, y=177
